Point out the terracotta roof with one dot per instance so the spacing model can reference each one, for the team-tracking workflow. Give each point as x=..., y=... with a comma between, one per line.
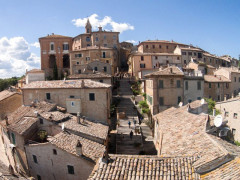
x=94, y=129
x=68, y=142
x=145, y=168
x=27, y=111
x=6, y=94
x=22, y=125
x=55, y=36
x=153, y=54
x=191, y=48
x=210, y=55
x=54, y=116
x=6, y=175
x=184, y=133
x=65, y=84
x=215, y=78
x=95, y=75
x=230, y=170
x=167, y=72
x=35, y=71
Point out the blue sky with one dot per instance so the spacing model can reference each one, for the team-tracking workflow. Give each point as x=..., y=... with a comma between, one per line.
x=210, y=24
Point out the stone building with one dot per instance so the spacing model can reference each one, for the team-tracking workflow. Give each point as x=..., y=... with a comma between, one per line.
x=55, y=51
x=193, y=88
x=48, y=144
x=9, y=102
x=164, y=89
x=183, y=131
x=216, y=87
x=125, y=50
x=74, y=95
x=35, y=75
x=230, y=110
x=96, y=46
x=232, y=74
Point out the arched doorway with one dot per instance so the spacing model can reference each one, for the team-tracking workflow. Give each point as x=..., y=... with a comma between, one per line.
x=52, y=61
x=66, y=61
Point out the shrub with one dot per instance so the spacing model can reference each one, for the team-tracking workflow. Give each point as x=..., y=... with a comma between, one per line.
x=143, y=104
x=237, y=143
x=145, y=96
x=145, y=110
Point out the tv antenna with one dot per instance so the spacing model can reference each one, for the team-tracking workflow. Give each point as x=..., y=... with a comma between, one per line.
x=218, y=120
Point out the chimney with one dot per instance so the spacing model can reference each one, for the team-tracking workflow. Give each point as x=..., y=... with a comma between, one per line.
x=83, y=84
x=225, y=97
x=171, y=70
x=79, y=148
x=83, y=119
x=214, y=112
x=78, y=117
x=105, y=158
x=99, y=28
x=6, y=118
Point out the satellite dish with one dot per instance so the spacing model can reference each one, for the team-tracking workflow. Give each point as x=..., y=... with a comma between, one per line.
x=63, y=126
x=180, y=104
x=202, y=101
x=218, y=120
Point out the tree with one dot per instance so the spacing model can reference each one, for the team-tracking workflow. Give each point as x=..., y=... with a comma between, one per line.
x=55, y=72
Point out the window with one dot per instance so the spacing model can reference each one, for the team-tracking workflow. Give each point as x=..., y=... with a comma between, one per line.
x=199, y=55
x=227, y=85
x=142, y=65
x=65, y=46
x=184, y=53
x=233, y=132
x=195, y=54
x=149, y=99
x=88, y=45
x=178, y=83
x=13, y=138
x=239, y=79
x=77, y=62
x=104, y=54
x=199, y=85
x=39, y=177
x=105, y=45
x=153, y=46
x=78, y=55
x=235, y=115
x=178, y=58
x=52, y=46
x=87, y=58
x=209, y=85
x=104, y=37
x=171, y=81
x=114, y=37
x=70, y=169
x=101, y=81
x=35, y=159
x=95, y=68
x=190, y=53
x=218, y=97
x=179, y=99
x=96, y=39
x=186, y=85
x=54, y=151
x=226, y=114
x=210, y=60
x=218, y=85
x=185, y=62
x=72, y=103
x=48, y=96
x=79, y=71
x=105, y=68
x=91, y=97
x=142, y=58
x=161, y=101
x=160, y=46
x=199, y=98
x=167, y=47
x=146, y=46
x=235, y=79
x=87, y=39
x=156, y=57
x=160, y=84
x=41, y=121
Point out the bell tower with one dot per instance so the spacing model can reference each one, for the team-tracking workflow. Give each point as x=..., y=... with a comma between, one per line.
x=88, y=27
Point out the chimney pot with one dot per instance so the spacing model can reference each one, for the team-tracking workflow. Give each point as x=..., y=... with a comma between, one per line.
x=78, y=117
x=79, y=148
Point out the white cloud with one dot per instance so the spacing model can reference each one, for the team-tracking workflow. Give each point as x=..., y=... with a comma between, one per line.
x=36, y=45
x=16, y=57
x=106, y=21
x=132, y=41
